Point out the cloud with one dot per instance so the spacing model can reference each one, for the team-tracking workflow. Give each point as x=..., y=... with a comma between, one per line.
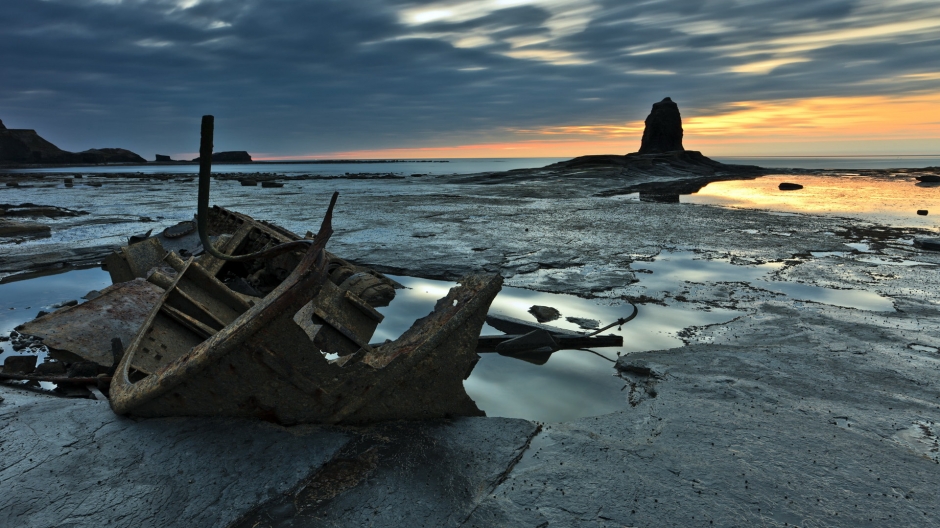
x=297, y=78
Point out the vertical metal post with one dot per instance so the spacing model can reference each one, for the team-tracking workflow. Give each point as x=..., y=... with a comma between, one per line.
x=205, y=171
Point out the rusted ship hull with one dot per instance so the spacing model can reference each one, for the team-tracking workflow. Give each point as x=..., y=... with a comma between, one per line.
x=205, y=351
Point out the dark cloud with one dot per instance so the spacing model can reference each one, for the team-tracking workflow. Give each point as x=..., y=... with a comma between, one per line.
x=288, y=77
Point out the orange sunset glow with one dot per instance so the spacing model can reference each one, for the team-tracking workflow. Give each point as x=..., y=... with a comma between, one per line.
x=861, y=125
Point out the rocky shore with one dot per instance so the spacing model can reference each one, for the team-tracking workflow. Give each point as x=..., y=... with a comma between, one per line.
x=798, y=413
x=795, y=413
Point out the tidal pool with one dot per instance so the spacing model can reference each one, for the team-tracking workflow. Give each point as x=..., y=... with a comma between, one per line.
x=671, y=269
x=22, y=300
x=572, y=383
x=887, y=200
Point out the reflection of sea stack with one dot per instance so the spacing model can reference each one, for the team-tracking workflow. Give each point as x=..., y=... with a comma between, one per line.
x=663, y=131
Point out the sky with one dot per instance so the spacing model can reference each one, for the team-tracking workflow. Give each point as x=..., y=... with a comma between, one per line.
x=295, y=79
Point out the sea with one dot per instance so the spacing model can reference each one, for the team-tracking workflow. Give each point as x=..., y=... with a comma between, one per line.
x=474, y=165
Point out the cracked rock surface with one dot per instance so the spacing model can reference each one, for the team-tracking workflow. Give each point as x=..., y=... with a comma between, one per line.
x=66, y=462
x=795, y=413
x=429, y=474
x=795, y=430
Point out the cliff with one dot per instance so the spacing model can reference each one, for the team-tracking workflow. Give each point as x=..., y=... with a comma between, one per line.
x=26, y=146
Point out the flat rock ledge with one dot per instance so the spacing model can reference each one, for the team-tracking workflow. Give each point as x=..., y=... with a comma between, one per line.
x=67, y=462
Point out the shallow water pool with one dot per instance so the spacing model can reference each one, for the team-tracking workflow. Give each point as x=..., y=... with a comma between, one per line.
x=886, y=200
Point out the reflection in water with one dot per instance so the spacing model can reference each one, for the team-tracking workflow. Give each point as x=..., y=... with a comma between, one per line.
x=658, y=197
x=21, y=301
x=671, y=268
x=893, y=201
x=571, y=383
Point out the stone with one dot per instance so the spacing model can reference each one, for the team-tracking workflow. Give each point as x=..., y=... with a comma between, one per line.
x=922, y=212
x=10, y=228
x=628, y=365
x=50, y=368
x=663, y=132
x=19, y=364
x=82, y=369
x=36, y=210
x=785, y=186
x=543, y=314
x=930, y=244
x=929, y=178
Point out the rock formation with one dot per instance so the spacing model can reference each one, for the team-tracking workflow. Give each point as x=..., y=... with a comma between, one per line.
x=162, y=157
x=663, y=132
x=110, y=155
x=233, y=156
x=26, y=146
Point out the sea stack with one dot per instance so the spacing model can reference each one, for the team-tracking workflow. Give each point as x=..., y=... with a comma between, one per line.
x=663, y=132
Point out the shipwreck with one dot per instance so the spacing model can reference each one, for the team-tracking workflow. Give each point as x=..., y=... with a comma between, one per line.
x=226, y=315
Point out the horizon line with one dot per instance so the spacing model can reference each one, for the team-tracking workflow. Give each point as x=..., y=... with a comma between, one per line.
x=327, y=159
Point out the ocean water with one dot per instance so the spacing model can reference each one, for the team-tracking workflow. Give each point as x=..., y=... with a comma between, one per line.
x=473, y=165
x=406, y=168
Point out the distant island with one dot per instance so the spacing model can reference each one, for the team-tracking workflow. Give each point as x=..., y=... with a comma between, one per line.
x=25, y=146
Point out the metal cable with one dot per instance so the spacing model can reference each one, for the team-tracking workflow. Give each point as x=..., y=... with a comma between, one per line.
x=617, y=322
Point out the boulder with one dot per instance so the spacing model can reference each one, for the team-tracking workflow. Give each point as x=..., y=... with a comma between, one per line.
x=930, y=244
x=19, y=364
x=663, y=132
x=786, y=186
x=544, y=314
